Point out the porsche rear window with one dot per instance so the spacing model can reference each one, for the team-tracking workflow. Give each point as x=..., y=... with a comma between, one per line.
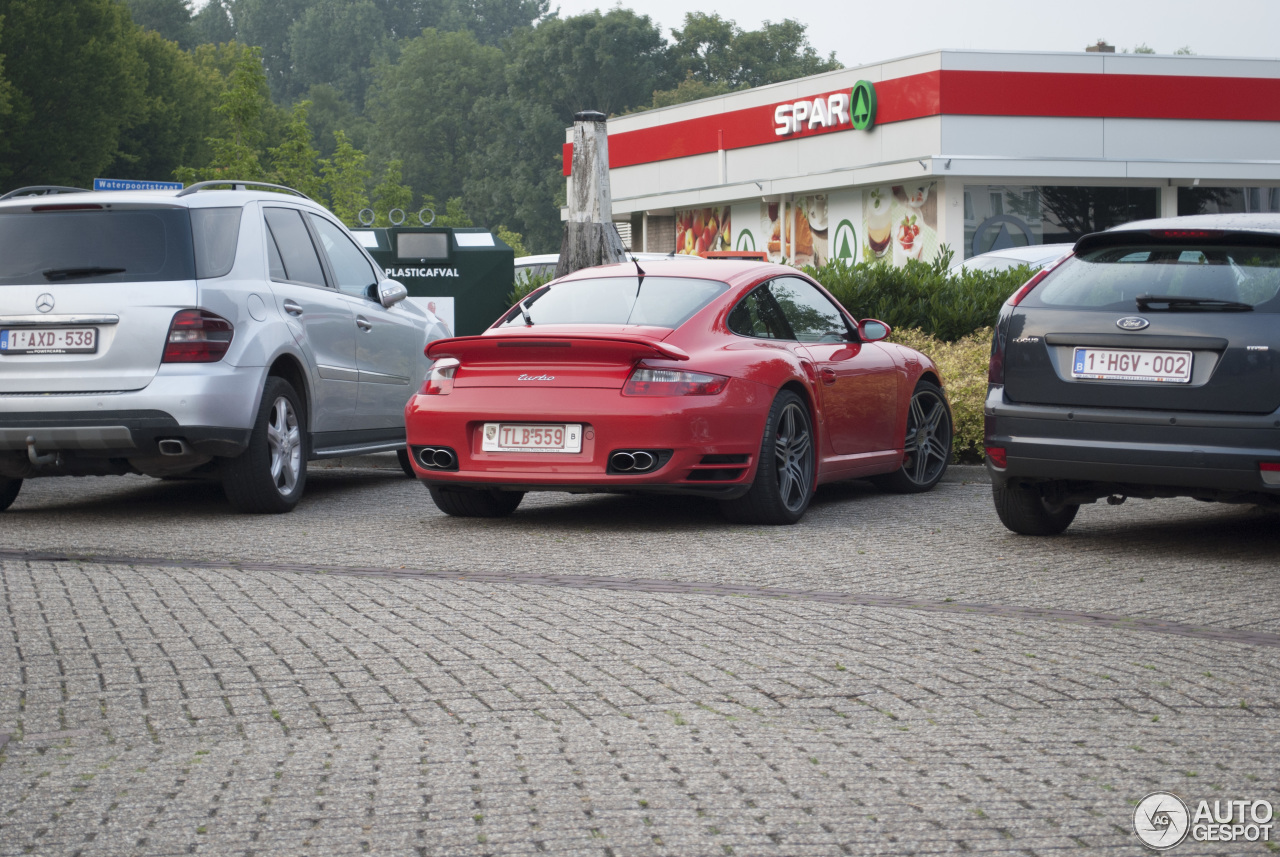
x=653, y=301
x=103, y=246
x=1112, y=278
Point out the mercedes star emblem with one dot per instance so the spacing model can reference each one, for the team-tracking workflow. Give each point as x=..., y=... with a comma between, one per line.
x=44, y=303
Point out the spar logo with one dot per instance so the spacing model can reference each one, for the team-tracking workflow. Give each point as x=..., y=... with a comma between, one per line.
x=1162, y=820
x=855, y=108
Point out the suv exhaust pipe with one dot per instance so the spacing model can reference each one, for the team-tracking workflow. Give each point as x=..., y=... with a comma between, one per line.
x=173, y=446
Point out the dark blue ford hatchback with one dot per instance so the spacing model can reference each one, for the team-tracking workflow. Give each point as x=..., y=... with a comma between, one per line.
x=1146, y=364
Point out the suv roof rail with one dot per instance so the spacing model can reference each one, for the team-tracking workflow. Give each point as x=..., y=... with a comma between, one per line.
x=239, y=184
x=43, y=189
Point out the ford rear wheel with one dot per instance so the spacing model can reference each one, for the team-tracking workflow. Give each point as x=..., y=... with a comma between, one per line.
x=1023, y=509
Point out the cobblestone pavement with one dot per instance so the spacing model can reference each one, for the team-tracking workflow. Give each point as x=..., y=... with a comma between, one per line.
x=622, y=676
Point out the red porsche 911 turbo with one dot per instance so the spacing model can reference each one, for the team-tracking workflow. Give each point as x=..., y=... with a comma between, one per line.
x=740, y=381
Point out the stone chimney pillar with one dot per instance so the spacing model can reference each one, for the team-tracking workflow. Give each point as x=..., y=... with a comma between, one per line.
x=590, y=238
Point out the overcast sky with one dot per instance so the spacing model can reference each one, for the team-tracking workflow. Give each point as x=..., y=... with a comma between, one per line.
x=863, y=32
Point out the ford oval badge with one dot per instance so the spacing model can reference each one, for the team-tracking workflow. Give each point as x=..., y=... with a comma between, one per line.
x=1132, y=322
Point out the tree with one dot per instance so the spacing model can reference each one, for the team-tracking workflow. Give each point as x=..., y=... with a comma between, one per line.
x=703, y=50
x=515, y=176
x=491, y=21
x=211, y=25
x=424, y=106
x=390, y=193
x=345, y=177
x=178, y=116
x=293, y=162
x=265, y=24
x=777, y=52
x=243, y=108
x=76, y=80
x=334, y=42
x=609, y=62
x=690, y=89
x=170, y=18
x=711, y=56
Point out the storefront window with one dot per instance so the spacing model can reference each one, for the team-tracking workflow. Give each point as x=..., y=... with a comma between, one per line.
x=1227, y=200
x=1001, y=216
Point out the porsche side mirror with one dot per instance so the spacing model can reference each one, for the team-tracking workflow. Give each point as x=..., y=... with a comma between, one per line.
x=872, y=330
x=391, y=292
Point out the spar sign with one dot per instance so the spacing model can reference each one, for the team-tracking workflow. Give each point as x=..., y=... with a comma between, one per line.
x=855, y=108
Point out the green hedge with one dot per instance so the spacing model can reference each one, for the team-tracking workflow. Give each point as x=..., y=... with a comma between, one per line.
x=921, y=296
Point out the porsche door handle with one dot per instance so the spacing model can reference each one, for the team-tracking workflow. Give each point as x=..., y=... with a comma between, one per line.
x=292, y=307
x=363, y=323
x=828, y=376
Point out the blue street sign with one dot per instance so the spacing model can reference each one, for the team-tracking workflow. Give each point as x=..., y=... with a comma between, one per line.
x=129, y=184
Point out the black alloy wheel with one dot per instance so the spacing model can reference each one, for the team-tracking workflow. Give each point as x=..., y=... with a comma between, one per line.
x=783, y=486
x=927, y=446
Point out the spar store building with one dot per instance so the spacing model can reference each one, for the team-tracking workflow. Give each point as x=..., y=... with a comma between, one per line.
x=976, y=150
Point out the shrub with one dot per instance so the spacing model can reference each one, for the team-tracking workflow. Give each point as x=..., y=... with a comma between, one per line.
x=963, y=364
x=921, y=296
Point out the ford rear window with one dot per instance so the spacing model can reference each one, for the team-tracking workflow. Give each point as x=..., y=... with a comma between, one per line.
x=1113, y=278
x=652, y=301
x=103, y=246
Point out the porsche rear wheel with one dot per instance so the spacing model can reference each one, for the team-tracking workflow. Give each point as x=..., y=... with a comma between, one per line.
x=474, y=502
x=927, y=447
x=783, y=485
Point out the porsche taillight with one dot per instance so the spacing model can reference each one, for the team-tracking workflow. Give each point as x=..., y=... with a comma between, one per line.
x=197, y=336
x=440, y=380
x=645, y=381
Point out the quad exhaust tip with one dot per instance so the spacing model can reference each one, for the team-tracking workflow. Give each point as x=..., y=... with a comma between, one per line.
x=633, y=461
x=436, y=458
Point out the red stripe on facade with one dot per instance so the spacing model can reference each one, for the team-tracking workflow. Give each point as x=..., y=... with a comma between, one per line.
x=970, y=93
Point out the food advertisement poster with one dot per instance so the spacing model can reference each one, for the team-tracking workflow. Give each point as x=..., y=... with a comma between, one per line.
x=900, y=222
x=699, y=230
x=807, y=216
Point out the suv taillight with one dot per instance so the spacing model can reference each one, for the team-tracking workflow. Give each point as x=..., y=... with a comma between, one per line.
x=197, y=336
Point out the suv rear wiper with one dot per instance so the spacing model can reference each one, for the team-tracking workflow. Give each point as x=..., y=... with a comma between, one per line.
x=1181, y=304
x=75, y=273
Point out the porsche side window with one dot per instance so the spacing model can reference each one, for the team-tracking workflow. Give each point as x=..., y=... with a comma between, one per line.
x=812, y=317
x=293, y=241
x=757, y=315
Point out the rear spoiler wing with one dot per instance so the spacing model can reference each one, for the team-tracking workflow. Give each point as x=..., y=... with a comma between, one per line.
x=588, y=348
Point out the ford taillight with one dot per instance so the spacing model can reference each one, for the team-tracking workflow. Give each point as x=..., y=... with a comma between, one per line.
x=440, y=381
x=197, y=336
x=645, y=381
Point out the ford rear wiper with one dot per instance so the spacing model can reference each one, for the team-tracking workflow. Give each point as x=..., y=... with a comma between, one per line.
x=1169, y=303
x=75, y=273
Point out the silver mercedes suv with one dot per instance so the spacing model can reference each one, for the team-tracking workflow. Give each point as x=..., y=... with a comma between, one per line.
x=234, y=330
